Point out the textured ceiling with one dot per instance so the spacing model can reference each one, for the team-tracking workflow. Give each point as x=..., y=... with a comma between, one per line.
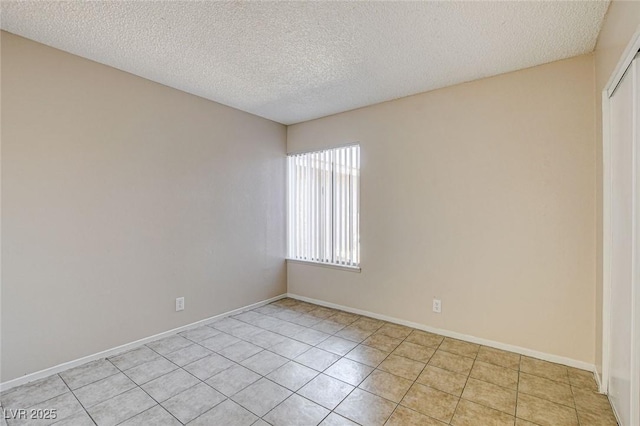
x=295, y=61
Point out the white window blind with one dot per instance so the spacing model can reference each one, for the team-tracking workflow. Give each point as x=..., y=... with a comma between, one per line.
x=323, y=211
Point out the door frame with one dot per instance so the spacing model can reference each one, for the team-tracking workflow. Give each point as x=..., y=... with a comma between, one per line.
x=625, y=61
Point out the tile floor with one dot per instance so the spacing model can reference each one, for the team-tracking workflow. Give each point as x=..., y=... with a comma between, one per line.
x=293, y=363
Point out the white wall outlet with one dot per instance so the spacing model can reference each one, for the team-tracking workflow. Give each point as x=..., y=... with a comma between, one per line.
x=180, y=304
x=437, y=306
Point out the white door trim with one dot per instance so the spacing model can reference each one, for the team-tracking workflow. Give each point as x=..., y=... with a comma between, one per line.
x=623, y=64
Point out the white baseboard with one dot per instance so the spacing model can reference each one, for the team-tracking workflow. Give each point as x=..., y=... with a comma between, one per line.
x=598, y=380
x=511, y=348
x=123, y=348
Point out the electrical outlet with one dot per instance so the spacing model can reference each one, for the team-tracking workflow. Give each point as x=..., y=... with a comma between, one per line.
x=437, y=306
x=180, y=304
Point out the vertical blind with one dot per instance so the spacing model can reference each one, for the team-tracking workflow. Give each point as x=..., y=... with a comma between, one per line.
x=323, y=206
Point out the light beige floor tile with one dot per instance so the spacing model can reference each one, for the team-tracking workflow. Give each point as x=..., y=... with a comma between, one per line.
x=317, y=359
x=430, y=402
x=349, y=371
x=501, y=376
x=443, y=380
x=269, y=309
x=32, y=393
x=171, y=384
x=303, y=307
x=404, y=416
x=386, y=385
x=120, y=408
x=133, y=357
x=240, y=351
x=295, y=411
x=499, y=357
x=311, y=336
x=264, y=362
x=322, y=312
x=394, y=330
x=250, y=317
x=546, y=389
x=219, y=341
x=267, y=323
x=169, y=344
x=88, y=373
x=459, y=347
x=490, y=395
x=471, y=414
x=208, y=366
x=328, y=326
x=520, y=422
x=82, y=419
x=401, y=366
x=97, y=392
x=261, y=397
x=451, y=362
x=414, y=351
x=337, y=345
x=367, y=355
x=292, y=375
x=345, y=318
x=306, y=320
x=334, y=419
x=233, y=380
x=354, y=334
x=548, y=370
x=188, y=355
x=199, y=334
x=582, y=379
x=287, y=314
x=153, y=416
x=288, y=329
x=191, y=403
x=290, y=348
x=227, y=413
x=265, y=339
x=65, y=406
x=382, y=342
x=591, y=402
x=365, y=408
x=225, y=324
x=245, y=330
x=369, y=324
x=326, y=391
x=148, y=371
x=424, y=338
x=545, y=413
x=602, y=419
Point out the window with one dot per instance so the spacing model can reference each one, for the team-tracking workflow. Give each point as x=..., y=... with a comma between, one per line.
x=324, y=198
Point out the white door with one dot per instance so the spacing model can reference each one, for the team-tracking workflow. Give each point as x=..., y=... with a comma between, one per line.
x=624, y=355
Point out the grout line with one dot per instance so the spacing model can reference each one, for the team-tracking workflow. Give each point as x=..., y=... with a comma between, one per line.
x=464, y=387
x=517, y=393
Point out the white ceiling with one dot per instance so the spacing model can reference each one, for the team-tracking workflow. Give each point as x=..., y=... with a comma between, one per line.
x=295, y=61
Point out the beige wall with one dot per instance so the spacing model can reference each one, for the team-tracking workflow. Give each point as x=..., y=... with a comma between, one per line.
x=480, y=194
x=119, y=195
x=621, y=22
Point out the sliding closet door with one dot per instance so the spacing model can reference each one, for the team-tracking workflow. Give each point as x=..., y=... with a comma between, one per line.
x=624, y=221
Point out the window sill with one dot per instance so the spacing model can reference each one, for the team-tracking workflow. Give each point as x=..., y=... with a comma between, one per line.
x=326, y=265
